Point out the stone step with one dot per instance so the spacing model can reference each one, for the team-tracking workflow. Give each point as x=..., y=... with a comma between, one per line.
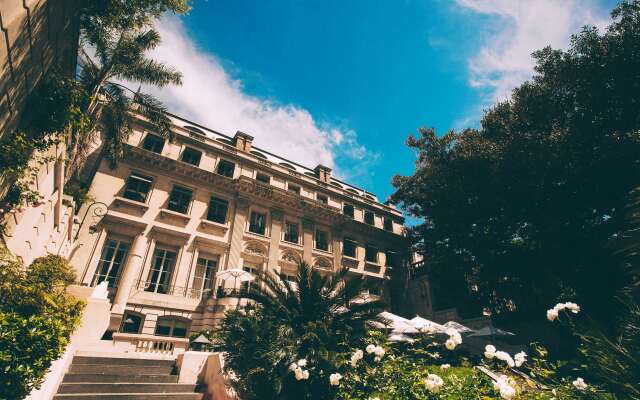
x=156, y=388
x=120, y=369
x=121, y=361
x=112, y=378
x=129, y=396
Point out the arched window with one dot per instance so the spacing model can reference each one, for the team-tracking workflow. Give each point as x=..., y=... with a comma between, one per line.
x=336, y=184
x=172, y=326
x=195, y=130
x=258, y=154
x=288, y=166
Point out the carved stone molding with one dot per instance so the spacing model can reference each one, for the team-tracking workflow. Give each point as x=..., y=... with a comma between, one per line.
x=290, y=257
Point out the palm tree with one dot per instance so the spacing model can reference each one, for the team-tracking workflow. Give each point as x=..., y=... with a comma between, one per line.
x=118, y=56
x=325, y=314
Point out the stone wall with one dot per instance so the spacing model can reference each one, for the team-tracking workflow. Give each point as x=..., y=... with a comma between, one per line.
x=34, y=35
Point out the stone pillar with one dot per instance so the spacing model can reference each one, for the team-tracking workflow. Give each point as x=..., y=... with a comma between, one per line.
x=130, y=273
x=307, y=240
x=58, y=176
x=336, y=248
x=276, y=233
x=239, y=224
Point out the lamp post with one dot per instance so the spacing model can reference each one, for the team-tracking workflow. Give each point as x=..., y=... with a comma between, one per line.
x=99, y=210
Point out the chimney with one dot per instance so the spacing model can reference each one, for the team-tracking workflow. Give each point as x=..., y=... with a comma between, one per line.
x=323, y=173
x=243, y=141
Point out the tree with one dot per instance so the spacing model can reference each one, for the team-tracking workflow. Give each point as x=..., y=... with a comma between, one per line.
x=527, y=208
x=37, y=318
x=315, y=318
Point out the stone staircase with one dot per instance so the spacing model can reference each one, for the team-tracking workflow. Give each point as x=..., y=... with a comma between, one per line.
x=102, y=378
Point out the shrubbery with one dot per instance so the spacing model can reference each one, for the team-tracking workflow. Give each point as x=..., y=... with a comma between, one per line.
x=37, y=319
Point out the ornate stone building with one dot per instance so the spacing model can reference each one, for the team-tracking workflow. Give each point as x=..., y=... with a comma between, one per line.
x=174, y=213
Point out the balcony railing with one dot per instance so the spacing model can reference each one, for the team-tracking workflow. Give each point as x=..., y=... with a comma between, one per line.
x=230, y=292
x=173, y=290
x=150, y=344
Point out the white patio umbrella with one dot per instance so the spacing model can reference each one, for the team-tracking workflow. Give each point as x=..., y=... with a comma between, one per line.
x=491, y=330
x=397, y=323
x=238, y=274
x=425, y=326
x=458, y=327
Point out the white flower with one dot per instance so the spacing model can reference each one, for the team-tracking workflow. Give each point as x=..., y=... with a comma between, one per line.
x=507, y=391
x=299, y=374
x=293, y=367
x=379, y=351
x=579, y=384
x=454, y=335
x=334, y=379
x=450, y=344
x=370, y=348
x=504, y=356
x=520, y=358
x=489, y=351
x=302, y=362
x=573, y=307
x=445, y=366
x=433, y=383
x=552, y=314
x=356, y=356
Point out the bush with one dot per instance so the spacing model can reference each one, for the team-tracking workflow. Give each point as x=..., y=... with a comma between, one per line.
x=37, y=319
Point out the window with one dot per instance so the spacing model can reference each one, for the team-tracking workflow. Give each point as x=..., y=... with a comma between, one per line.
x=131, y=323
x=179, y=199
x=204, y=276
x=137, y=188
x=191, y=156
x=321, y=198
x=291, y=232
x=293, y=188
x=391, y=258
x=114, y=253
x=153, y=143
x=388, y=224
x=347, y=210
x=371, y=253
x=322, y=240
x=292, y=279
x=171, y=326
x=349, y=247
x=160, y=273
x=257, y=222
x=248, y=285
x=226, y=168
x=264, y=178
x=217, y=210
x=368, y=218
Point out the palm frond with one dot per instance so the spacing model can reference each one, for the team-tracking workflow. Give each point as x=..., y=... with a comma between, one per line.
x=155, y=111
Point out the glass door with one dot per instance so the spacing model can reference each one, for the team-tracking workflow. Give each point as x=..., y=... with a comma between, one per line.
x=160, y=273
x=204, y=277
x=114, y=253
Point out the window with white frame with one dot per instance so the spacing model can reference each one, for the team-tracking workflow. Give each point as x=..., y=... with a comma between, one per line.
x=291, y=232
x=204, y=276
x=217, y=210
x=137, y=187
x=114, y=254
x=258, y=222
x=161, y=269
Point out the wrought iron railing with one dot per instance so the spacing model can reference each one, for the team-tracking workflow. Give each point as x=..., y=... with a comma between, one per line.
x=173, y=290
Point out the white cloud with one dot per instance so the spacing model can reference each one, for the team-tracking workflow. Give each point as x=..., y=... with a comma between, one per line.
x=516, y=28
x=209, y=96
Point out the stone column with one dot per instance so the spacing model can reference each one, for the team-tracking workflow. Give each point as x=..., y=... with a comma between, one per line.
x=276, y=233
x=130, y=273
x=336, y=248
x=238, y=227
x=58, y=176
x=307, y=240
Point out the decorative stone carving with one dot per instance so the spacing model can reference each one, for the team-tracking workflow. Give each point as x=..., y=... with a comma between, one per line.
x=276, y=214
x=323, y=263
x=255, y=249
x=290, y=257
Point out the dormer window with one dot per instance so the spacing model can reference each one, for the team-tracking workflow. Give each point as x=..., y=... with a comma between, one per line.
x=369, y=218
x=226, y=168
x=293, y=188
x=153, y=143
x=191, y=156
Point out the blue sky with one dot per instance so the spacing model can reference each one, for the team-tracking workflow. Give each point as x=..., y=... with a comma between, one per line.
x=344, y=82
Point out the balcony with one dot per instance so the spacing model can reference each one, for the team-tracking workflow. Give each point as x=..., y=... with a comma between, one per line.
x=173, y=290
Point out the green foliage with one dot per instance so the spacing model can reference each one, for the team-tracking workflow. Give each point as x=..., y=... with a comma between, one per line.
x=317, y=319
x=37, y=318
x=77, y=189
x=528, y=207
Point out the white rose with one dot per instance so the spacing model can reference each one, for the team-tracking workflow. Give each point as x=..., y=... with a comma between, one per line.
x=520, y=358
x=489, y=351
x=305, y=374
x=298, y=373
x=370, y=348
x=552, y=314
x=580, y=384
x=450, y=344
x=433, y=383
x=379, y=351
x=334, y=379
x=504, y=356
x=302, y=362
x=293, y=367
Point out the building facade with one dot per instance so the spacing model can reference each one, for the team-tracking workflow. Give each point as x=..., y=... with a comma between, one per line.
x=174, y=213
